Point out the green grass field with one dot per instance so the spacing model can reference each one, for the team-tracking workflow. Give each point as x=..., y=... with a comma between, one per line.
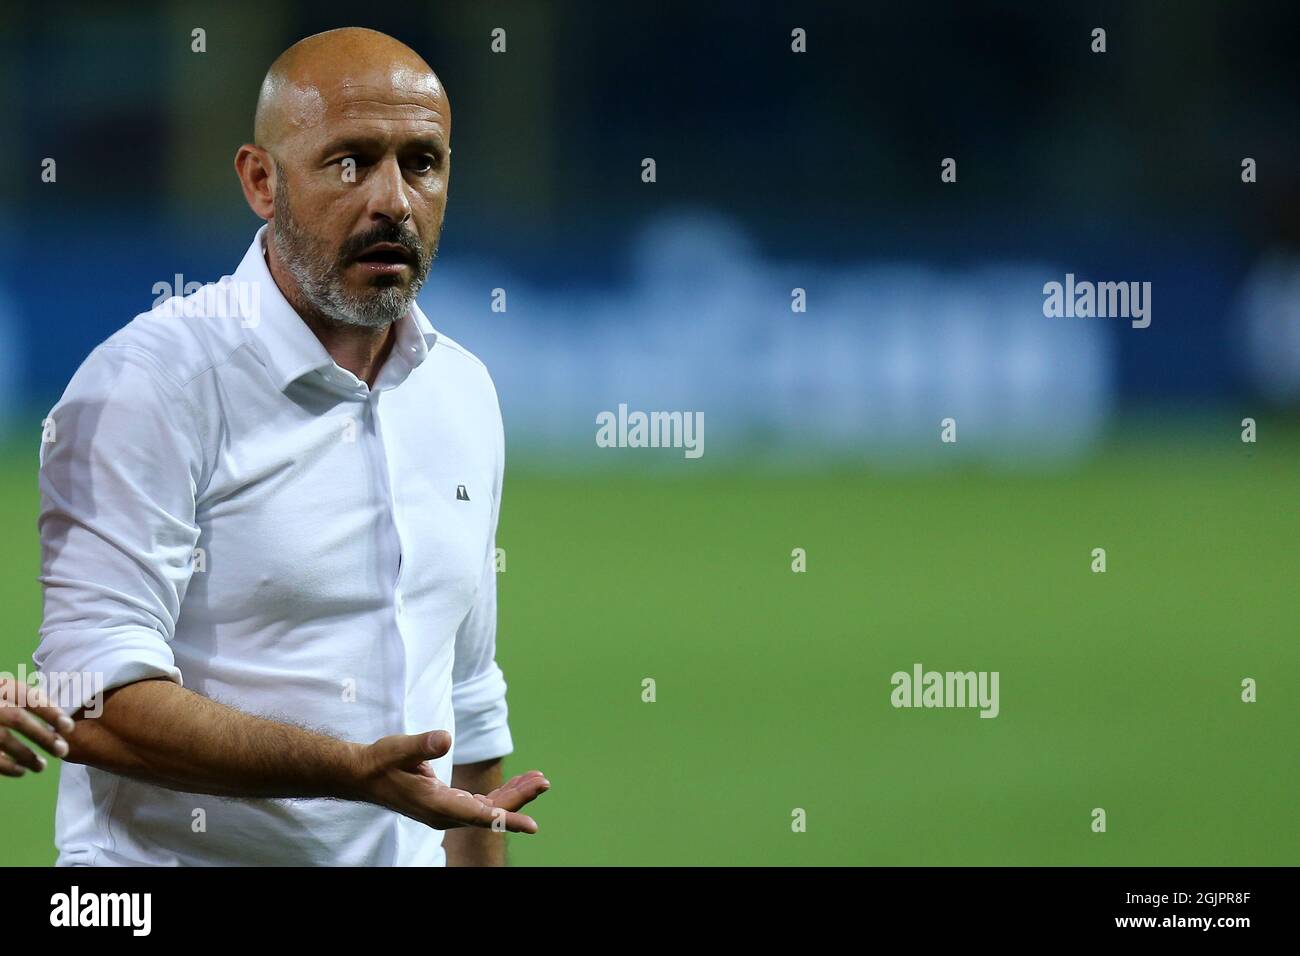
x=1118, y=690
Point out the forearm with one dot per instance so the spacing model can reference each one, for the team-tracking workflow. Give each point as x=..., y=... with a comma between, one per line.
x=471, y=846
x=161, y=733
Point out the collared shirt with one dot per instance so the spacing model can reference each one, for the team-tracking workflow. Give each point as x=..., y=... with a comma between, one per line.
x=224, y=506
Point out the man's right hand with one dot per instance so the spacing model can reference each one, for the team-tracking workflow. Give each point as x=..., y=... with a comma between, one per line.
x=25, y=709
x=395, y=773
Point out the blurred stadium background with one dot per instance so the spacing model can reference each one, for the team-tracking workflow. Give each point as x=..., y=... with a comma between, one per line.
x=924, y=300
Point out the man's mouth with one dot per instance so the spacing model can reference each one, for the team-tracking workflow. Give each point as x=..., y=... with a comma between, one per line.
x=384, y=258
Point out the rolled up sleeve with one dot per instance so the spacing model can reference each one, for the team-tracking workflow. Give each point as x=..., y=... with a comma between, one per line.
x=478, y=686
x=121, y=462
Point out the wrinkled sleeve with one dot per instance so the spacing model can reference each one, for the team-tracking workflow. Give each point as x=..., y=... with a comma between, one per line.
x=121, y=462
x=478, y=686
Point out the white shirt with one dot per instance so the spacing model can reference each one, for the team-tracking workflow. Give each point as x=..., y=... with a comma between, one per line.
x=224, y=506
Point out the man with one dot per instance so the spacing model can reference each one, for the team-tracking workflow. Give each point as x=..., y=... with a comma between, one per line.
x=268, y=520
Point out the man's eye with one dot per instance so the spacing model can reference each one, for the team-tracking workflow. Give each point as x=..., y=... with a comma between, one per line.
x=423, y=164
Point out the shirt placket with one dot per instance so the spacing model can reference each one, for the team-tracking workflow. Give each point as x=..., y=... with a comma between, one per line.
x=383, y=461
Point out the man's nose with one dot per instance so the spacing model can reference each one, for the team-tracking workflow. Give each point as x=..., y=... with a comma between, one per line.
x=388, y=199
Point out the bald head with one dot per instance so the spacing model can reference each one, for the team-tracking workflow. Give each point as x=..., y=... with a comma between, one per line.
x=342, y=71
x=350, y=166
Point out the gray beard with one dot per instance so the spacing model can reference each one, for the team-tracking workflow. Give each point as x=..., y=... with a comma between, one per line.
x=320, y=282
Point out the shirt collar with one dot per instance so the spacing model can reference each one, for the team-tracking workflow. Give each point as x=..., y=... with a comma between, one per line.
x=291, y=350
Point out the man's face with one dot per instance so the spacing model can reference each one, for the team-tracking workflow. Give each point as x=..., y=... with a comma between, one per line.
x=360, y=193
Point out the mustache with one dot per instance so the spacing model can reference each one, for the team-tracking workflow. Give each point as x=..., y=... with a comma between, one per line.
x=383, y=232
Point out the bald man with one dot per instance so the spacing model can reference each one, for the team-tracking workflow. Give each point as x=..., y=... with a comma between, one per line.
x=268, y=518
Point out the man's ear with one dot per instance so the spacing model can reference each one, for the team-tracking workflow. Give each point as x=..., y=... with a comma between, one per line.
x=256, y=171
